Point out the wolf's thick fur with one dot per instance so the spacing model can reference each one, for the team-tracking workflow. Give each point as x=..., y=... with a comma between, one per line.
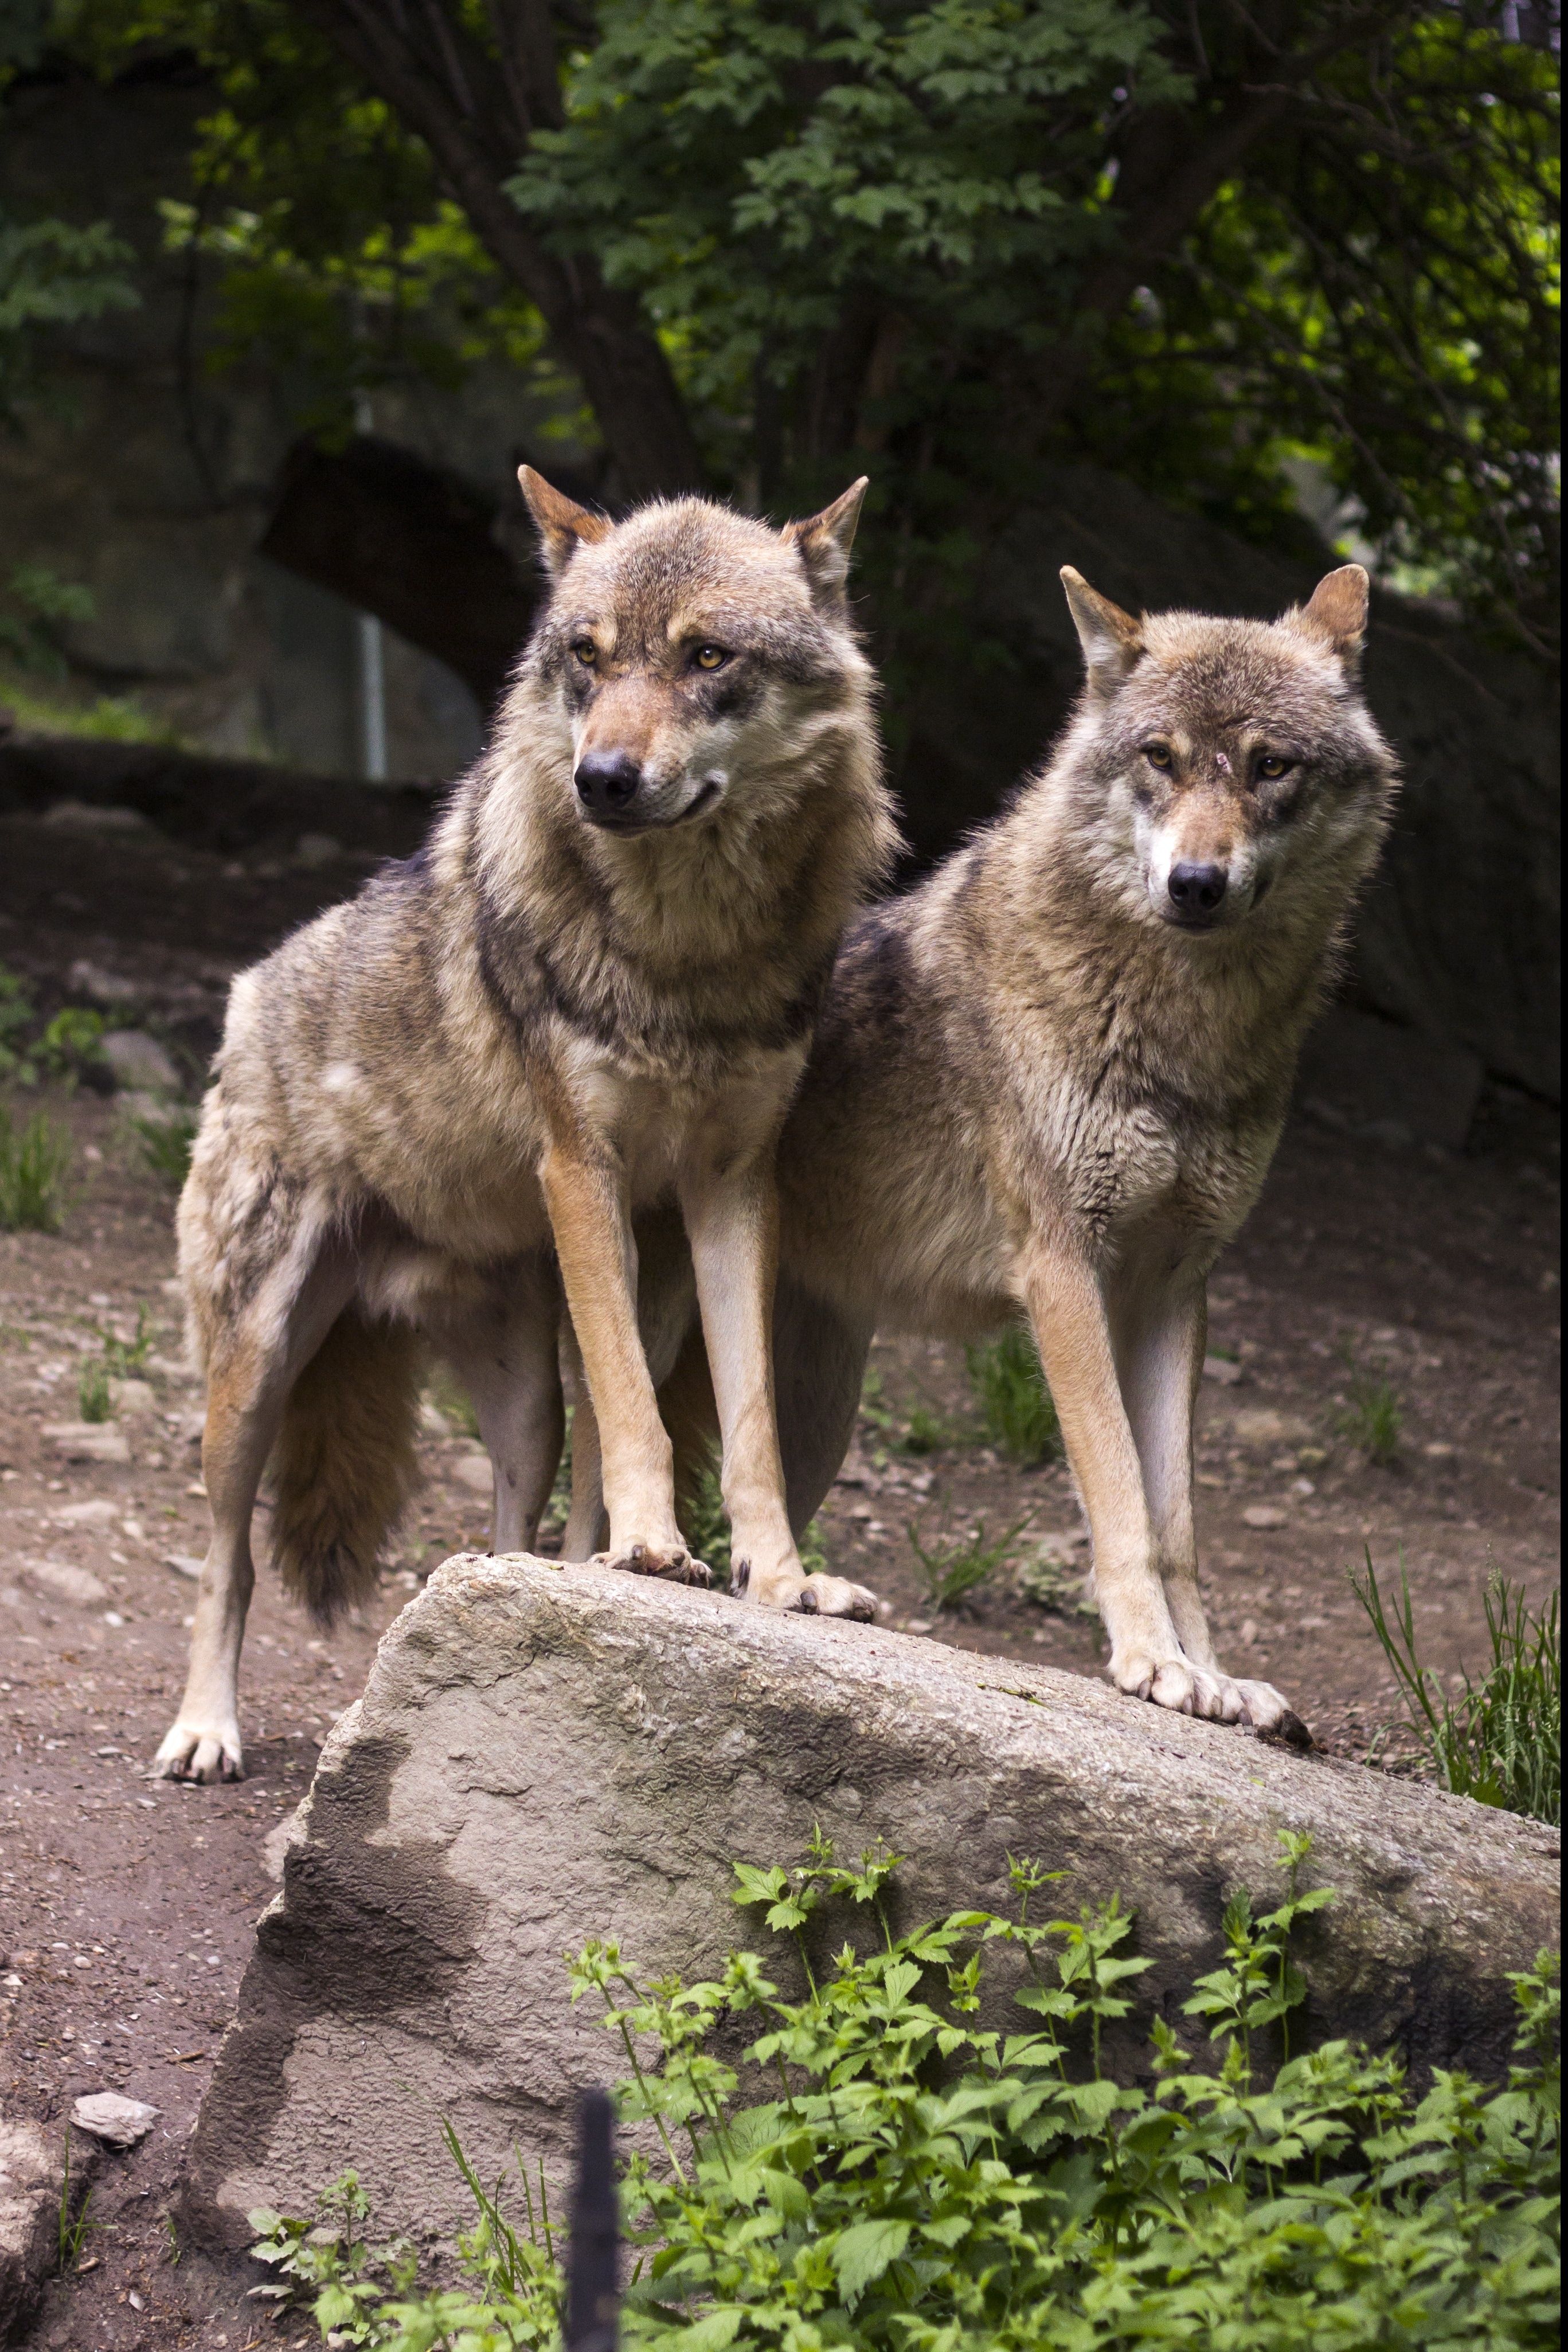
x=1053, y=1076
x=593, y=989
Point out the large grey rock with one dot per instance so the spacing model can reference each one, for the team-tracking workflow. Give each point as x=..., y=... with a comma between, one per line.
x=544, y=1755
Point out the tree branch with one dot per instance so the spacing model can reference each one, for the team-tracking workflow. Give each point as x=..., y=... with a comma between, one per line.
x=446, y=99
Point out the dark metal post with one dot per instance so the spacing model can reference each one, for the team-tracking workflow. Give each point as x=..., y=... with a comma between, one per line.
x=593, y=2291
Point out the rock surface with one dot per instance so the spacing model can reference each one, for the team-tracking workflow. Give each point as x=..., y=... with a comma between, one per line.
x=543, y=1755
x=32, y=2173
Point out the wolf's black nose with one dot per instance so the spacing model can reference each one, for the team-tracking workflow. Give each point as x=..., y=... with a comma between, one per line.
x=1196, y=890
x=607, y=782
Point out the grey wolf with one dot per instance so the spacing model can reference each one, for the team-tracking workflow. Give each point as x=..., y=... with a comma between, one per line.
x=1051, y=1081
x=593, y=989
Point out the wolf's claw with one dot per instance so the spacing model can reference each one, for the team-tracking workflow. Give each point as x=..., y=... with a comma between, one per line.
x=1272, y=1716
x=673, y=1562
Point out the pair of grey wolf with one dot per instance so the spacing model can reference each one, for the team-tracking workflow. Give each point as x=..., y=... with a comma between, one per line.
x=624, y=1051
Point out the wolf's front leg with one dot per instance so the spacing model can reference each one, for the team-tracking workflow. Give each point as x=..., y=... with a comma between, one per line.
x=586, y=1200
x=1067, y=1307
x=1160, y=1331
x=732, y=1219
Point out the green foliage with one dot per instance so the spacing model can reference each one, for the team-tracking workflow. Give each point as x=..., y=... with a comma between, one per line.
x=880, y=2170
x=961, y=237
x=1015, y=1403
x=1374, y=1418
x=33, y=1164
x=164, y=1141
x=1501, y=1739
x=92, y=1390
x=61, y=1048
x=52, y=274
x=705, y=1523
x=952, y=1570
x=1054, y=1585
x=126, y=1359
x=34, y=604
x=74, y=2222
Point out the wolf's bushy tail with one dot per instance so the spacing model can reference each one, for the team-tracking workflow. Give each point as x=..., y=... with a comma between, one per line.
x=344, y=1464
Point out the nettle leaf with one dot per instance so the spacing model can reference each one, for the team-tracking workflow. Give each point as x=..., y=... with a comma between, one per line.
x=862, y=2252
x=712, y=2332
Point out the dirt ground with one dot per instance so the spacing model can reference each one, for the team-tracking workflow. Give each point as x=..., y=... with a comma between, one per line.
x=127, y=1905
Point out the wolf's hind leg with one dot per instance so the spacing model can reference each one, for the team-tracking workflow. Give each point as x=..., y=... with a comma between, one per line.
x=504, y=1353
x=255, y=1362
x=1160, y=1326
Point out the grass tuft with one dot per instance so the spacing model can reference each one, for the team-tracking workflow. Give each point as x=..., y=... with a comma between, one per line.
x=92, y=1392
x=1501, y=1740
x=163, y=1143
x=33, y=1164
x=952, y=1570
x=1374, y=1419
x=1015, y=1403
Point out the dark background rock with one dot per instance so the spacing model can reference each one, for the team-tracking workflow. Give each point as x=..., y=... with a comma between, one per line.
x=546, y=1754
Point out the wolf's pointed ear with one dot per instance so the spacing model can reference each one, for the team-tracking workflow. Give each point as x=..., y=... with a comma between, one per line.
x=1112, y=640
x=563, y=525
x=825, y=540
x=1336, y=610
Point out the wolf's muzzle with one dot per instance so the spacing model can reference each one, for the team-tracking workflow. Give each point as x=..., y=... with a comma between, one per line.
x=1196, y=894
x=608, y=784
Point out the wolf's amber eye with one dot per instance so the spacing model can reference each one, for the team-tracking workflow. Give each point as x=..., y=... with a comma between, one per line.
x=586, y=651
x=1158, y=755
x=1274, y=764
x=710, y=657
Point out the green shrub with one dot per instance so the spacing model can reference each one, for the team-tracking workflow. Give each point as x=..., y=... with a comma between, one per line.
x=33, y=1164
x=1500, y=1741
x=164, y=1141
x=70, y=1043
x=1015, y=1403
x=952, y=1571
x=881, y=2170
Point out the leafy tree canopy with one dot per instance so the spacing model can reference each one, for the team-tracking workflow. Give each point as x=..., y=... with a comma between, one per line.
x=1223, y=247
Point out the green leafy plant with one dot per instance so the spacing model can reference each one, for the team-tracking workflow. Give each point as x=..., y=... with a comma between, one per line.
x=879, y=2168
x=1054, y=1585
x=952, y=1570
x=163, y=1142
x=1374, y=1418
x=71, y=1042
x=16, y=1020
x=921, y=1430
x=1499, y=1739
x=92, y=1392
x=126, y=1359
x=33, y=605
x=1015, y=1403
x=33, y=1164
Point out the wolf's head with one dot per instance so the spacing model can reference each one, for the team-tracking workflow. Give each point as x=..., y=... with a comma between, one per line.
x=690, y=652
x=1235, y=760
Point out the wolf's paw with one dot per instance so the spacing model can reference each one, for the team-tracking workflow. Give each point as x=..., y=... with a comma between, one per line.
x=1271, y=1716
x=673, y=1562
x=834, y=1596
x=1178, y=1684
x=197, y=1750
